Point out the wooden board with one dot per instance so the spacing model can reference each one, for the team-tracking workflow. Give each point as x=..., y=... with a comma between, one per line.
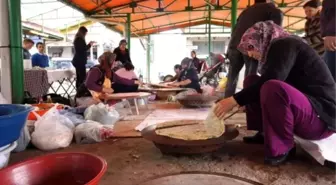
x=160, y=85
x=125, y=129
x=172, y=89
x=119, y=96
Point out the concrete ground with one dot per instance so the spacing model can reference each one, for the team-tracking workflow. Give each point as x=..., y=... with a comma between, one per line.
x=131, y=161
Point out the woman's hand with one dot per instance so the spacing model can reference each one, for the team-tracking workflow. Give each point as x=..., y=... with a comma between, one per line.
x=242, y=109
x=330, y=43
x=224, y=106
x=175, y=84
x=137, y=82
x=108, y=90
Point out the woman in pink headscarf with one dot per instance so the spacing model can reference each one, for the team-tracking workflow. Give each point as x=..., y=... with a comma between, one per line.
x=126, y=72
x=295, y=95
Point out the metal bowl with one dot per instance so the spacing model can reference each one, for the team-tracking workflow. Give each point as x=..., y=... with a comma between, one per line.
x=168, y=145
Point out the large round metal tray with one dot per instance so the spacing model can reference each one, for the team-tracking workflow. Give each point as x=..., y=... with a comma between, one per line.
x=168, y=145
x=163, y=93
x=199, y=178
x=197, y=100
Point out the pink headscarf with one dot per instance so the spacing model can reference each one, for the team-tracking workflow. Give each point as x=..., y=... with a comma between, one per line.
x=122, y=72
x=259, y=38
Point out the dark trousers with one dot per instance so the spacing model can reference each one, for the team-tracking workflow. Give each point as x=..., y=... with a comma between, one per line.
x=121, y=88
x=80, y=75
x=237, y=61
x=330, y=58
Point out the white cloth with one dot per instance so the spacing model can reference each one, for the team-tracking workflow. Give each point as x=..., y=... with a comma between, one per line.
x=59, y=74
x=160, y=116
x=320, y=150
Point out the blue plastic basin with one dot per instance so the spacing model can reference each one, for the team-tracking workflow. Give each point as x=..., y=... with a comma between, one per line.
x=12, y=119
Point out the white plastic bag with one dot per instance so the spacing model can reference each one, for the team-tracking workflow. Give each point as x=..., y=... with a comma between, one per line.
x=23, y=140
x=123, y=109
x=74, y=118
x=52, y=131
x=102, y=113
x=92, y=132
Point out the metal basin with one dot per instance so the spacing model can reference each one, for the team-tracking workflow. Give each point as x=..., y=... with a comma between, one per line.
x=168, y=145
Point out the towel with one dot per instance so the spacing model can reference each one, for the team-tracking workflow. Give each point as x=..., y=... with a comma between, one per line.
x=320, y=150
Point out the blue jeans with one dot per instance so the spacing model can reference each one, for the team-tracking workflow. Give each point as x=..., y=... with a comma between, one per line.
x=330, y=58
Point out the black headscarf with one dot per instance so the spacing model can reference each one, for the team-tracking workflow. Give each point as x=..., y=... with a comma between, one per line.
x=188, y=62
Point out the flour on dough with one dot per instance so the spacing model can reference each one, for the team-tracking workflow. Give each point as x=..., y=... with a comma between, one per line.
x=187, y=132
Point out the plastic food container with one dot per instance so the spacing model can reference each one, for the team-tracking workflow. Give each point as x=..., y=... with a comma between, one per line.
x=5, y=154
x=56, y=169
x=12, y=120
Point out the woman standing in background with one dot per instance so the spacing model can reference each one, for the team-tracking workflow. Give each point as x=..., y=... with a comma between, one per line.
x=80, y=59
x=122, y=52
x=196, y=61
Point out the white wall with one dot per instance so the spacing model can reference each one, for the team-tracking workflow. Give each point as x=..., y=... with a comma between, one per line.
x=138, y=57
x=168, y=51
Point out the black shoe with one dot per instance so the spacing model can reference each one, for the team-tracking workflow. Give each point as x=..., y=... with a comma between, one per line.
x=280, y=159
x=256, y=139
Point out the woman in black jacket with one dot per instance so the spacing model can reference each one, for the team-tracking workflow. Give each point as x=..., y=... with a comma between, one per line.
x=295, y=95
x=122, y=52
x=80, y=59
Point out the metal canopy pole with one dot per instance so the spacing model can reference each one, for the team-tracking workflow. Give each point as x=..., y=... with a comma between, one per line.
x=234, y=7
x=129, y=31
x=149, y=48
x=209, y=30
x=15, y=36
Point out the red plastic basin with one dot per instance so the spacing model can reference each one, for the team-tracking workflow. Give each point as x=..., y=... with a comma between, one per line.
x=56, y=169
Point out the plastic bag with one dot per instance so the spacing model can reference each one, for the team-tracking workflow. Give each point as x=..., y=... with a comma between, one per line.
x=123, y=109
x=52, y=131
x=222, y=84
x=208, y=90
x=23, y=140
x=92, y=132
x=74, y=118
x=85, y=101
x=102, y=113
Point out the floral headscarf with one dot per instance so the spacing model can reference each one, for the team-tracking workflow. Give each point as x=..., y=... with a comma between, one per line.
x=259, y=38
x=106, y=61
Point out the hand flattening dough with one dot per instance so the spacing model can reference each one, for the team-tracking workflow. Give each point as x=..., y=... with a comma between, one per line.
x=214, y=126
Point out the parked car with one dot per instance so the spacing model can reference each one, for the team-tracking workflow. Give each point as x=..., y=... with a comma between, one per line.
x=61, y=63
x=91, y=63
x=66, y=63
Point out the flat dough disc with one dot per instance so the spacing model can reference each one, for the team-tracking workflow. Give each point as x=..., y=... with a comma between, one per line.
x=185, y=132
x=214, y=126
